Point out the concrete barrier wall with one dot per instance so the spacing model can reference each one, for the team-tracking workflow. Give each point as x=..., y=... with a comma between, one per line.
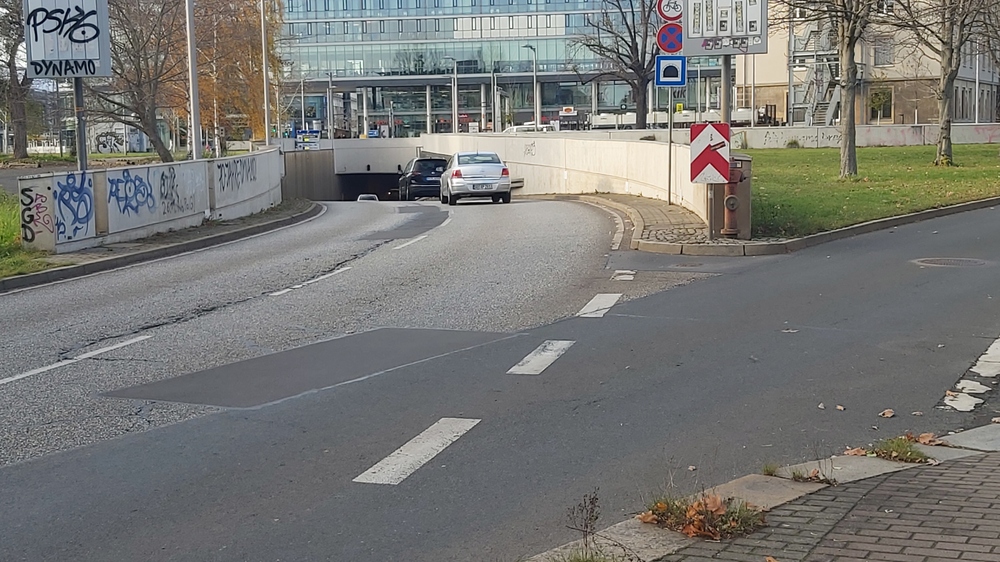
x=309, y=175
x=868, y=135
x=70, y=211
x=579, y=164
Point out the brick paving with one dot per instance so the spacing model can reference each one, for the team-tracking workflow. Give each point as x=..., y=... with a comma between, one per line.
x=948, y=512
x=664, y=222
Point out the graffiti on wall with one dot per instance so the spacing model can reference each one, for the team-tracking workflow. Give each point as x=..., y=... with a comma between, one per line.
x=234, y=173
x=171, y=200
x=131, y=193
x=35, y=215
x=109, y=143
x=74, y=209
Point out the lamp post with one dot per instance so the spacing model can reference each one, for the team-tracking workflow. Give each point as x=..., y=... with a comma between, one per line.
x=329, y=105
x=454, y=93
x=194, y=135
x=267, y=78
x=534, y=83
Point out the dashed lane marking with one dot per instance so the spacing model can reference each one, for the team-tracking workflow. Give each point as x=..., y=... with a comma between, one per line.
x=309, y=282
x=623, y=275
x=417, y=452
x=599, y=305
x=70, y=361
x=540, y=359
x=415, y=240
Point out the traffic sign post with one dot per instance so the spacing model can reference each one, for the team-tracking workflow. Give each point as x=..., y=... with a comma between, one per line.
x=671, y=70
x=725, y=27
x=670, y=10
x=670, y=38
x=710, y=153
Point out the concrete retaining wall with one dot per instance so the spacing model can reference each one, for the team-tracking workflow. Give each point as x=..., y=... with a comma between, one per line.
x=579, y=164
x=868, y=135
x=70, y=211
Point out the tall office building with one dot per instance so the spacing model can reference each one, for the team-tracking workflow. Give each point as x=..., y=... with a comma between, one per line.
x=395, y=61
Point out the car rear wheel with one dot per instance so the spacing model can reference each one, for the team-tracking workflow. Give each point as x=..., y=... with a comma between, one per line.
x=496, y=198
x=443, y=197
x=452, y=200
x=505, y=197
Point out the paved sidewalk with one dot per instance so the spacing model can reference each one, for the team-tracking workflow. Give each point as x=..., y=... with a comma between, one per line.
x=110, y=256
x=925, y=514
x=663, y=222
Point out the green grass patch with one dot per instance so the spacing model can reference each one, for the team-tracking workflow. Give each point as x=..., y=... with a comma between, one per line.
x=40, y=158
x=899, y=449
x=15, y=260
x=798, y=192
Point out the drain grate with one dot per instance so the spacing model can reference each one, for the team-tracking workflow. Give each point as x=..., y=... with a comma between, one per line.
x=950, y=262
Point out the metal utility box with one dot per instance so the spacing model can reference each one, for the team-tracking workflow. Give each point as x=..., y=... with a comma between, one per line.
x=738, y=163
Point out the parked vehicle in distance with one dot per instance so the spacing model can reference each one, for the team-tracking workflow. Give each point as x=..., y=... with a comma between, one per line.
x=367, y=197
x=475, y=174
x=421, y=177
x=529, y=129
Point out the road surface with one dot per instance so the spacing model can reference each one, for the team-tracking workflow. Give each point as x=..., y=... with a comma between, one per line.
x=395, y=381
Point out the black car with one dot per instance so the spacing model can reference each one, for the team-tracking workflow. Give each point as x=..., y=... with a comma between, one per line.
x=421, y=177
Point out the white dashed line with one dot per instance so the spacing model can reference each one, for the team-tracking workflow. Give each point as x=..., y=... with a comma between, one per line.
x=80, y=357
x=623, y=275
x=540, y=359
x=309, y=282
x=405, y=460
x=599, y=305
x=414, y=241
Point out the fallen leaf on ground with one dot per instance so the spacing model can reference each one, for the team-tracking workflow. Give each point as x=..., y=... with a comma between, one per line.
x=933, y=462
x=995, y=420
x=821, y=406
x=950, y=393
x=814, y=473
x=841, y=408
x=770, y=559
x=887, y=413
x=928, y=439
x=916, y=413
x=715, y=505
x=647, y=517
x=856, y=452
x=692, y=468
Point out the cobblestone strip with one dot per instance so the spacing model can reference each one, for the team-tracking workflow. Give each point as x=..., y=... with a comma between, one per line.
x=927, y=514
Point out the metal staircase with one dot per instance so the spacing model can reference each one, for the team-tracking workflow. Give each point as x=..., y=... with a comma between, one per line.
x=818, y=100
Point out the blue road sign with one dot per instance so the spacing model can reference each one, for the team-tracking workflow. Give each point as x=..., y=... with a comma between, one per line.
x=671, y=70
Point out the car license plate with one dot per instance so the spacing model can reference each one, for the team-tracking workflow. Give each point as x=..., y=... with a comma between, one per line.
x=482, y=186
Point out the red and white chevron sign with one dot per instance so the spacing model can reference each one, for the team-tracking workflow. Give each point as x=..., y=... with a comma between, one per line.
x=710, y=153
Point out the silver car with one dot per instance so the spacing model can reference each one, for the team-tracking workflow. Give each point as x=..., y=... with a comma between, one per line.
x=475, y=174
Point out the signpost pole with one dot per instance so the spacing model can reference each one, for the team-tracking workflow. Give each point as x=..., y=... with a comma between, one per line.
x=81, y=125
x=670, y=149
x=194, y=135
x=726, y=91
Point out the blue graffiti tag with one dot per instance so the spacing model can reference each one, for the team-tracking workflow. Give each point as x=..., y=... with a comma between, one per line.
x=132, y=193
x=75, y=205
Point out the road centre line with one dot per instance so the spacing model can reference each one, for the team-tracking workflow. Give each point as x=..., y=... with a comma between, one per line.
x=540, y=359
x=414, y=241
x=599, y=305
x=309, y=282
x=417, y=452
x=72, y=360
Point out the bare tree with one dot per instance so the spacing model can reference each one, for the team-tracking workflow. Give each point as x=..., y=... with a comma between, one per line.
x=945, y=28
x=623, y=36
x=850, y=19
x=16, y=84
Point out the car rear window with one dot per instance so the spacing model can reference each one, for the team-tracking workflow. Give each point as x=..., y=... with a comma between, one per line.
x=478, y=159
x=428, y=166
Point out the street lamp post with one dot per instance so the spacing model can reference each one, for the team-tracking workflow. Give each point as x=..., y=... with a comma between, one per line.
x=454, y=93
x=267, y=78
x=534, y=83
x=194, y=135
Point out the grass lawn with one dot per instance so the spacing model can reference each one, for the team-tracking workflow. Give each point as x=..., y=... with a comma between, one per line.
x=15, y=260
x=796, y=192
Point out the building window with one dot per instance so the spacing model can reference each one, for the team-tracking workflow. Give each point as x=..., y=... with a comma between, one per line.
x=418, y=4
x=884, y=7
x=529, y=22
x=473, y=23
x=883, y=51
x=418, y=26
x=437, y=25
x=308, y=6
x=548, y=21
x=399, y=4
x=346, y=28
x=364, y=4
x=381, y=4
x=290, y=6
x=381, y=26
x=326, y=5
x=881, y=104
x=437, y=3
x=364, y=27
x=399, y=26
x=345, y=6
x=510, y=22
x=327, y=27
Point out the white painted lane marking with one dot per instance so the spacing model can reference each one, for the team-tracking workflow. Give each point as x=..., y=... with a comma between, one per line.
x=540, y=359
x=623, y=275
x=599, y=305
x=414, y=241
x=328, y=275
x=405, y=460
x=281, y=292
x=70, y=361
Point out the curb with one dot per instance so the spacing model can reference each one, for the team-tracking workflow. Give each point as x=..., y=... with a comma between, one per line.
x=72, y=271
x=775, y=248
x=655, y=543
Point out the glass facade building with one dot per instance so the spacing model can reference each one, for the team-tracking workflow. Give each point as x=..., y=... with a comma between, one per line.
x=393, y=62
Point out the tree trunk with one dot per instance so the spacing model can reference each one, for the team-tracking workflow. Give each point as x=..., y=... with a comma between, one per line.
x=149, y=126
x=945, y=94
x=16, y=99
x=848, y=112
x=639, y=91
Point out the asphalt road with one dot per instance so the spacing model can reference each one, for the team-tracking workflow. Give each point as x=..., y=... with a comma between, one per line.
x=707, y=363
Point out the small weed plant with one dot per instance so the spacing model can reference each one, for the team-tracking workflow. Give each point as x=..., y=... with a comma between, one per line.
x=899, y=449
x=707, y=515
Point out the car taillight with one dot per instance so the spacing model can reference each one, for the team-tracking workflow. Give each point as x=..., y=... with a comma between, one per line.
x=505, y=172
x=417, y=176
x=457, y=174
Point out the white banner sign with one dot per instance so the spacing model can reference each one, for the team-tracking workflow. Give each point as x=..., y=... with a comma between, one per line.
x=725, y=27
x=67, y=38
